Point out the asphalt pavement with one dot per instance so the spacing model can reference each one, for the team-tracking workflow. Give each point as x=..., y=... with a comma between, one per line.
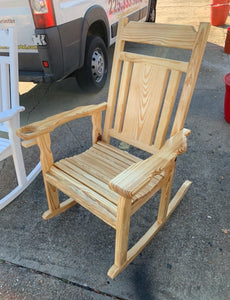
x=68, y=256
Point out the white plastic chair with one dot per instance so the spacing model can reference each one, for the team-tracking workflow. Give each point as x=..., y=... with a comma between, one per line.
x=9, y=112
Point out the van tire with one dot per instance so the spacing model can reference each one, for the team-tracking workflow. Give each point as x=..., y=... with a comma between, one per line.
x=92, y=76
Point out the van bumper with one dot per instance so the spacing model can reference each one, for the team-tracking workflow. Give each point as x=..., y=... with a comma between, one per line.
x=35, y=76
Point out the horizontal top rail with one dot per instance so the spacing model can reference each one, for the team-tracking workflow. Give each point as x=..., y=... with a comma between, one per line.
x=158, y=61
x=177, y=36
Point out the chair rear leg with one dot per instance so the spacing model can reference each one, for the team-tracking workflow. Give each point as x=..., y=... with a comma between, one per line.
x=166, y=206
x=166, y=193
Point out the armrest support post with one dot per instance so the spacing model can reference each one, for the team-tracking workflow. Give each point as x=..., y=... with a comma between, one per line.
x=97, y=131
x=46, y=156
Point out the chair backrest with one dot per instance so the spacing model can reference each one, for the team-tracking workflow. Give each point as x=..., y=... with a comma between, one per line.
x=143, y=88
x=9, y=94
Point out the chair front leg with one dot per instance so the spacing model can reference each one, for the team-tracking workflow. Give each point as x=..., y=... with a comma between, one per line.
x=47, y=161
x=122, y=236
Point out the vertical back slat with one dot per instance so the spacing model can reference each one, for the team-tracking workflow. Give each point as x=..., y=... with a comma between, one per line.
x=123, y=93
x=167, y=109
x=147, y=89
x=5, y=86
x=4, y=36
x=13, y=56
x=5, y=91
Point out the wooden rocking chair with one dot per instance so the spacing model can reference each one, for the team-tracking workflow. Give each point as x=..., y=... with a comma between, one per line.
x=107, y=181
x=10, y=113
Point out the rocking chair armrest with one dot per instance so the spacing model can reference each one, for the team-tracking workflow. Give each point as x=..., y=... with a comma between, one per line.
x=134, y=178
x=47, y=125
x=10, y=113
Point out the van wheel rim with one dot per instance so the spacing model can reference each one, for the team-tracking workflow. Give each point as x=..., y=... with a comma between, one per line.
x=98, y=65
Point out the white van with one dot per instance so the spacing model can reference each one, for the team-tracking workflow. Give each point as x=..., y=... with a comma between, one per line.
x=59, y=38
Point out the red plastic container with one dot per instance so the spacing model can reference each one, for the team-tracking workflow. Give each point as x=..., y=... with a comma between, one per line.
x=219, y=12
x=227, y=98
x=227, y=42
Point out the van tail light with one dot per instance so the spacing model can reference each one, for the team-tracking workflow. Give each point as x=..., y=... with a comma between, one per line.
x=43, y=13
x=45, y=64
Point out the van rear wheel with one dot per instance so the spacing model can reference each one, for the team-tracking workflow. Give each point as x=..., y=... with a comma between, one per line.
x=92, y=76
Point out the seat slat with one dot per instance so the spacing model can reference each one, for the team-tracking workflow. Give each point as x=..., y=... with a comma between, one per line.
x=86, y=197
x=104, y=160
x=108, y=159
x=85, y=171
x=92, y=170
x=95, y=168
x=84, y=177
x=117, y=153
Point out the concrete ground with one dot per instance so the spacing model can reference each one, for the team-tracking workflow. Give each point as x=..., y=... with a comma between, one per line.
x=68, y=256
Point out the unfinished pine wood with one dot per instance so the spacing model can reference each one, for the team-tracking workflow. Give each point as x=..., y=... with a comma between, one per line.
x=122, y=231
x=69, y=167
x=63, y=207
x=191, y=77
x=46, y=158
x=39, y=128
x=149, y=235
x=166, y=192
x=128, y=183
x=97, y=132
x=89, y=199
x=167, y=109
x=136, y=143
x=144, y=102
x=122, y=98
x=156, y=61
x=96, y=167
x=144, y=109
x=167, y=35
x=114, y=81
